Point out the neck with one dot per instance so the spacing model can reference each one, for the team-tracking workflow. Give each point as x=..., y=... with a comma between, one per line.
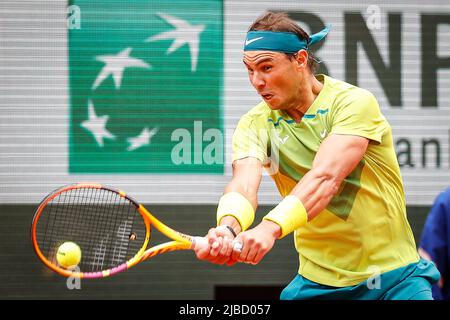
x=309, y=91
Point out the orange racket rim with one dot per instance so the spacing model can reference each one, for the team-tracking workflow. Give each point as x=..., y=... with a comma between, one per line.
x=91, y=275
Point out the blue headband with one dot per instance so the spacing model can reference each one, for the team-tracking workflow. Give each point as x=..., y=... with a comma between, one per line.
x=281, y=41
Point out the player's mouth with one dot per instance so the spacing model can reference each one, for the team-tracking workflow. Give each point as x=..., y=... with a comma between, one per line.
x=267, y=96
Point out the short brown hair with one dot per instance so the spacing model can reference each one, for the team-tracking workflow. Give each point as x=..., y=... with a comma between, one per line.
x=280, y=22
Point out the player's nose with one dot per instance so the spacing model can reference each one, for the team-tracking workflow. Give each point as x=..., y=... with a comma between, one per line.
x=257, y=81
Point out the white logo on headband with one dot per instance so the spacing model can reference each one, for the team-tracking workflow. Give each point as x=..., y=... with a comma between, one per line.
x=247, y=42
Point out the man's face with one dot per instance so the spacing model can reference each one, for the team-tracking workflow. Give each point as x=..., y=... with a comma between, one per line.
x=275, y=77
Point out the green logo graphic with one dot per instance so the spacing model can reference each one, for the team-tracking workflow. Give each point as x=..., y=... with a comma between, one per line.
x=146, y=87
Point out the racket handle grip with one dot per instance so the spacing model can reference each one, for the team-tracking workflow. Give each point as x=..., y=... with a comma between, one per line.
x=202, y=243
x=199, y=243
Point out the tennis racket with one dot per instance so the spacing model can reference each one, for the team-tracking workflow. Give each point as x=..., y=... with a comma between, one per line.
x=112, y=229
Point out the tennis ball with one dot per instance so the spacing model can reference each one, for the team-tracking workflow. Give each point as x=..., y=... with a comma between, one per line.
x=68, y=255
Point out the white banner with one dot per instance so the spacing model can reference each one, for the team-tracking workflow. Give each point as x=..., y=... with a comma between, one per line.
x=399, y=51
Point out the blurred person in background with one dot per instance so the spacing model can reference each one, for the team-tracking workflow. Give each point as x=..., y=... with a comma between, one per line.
x=435, y=240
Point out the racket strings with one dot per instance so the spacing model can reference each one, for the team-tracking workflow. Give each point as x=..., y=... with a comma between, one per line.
x=124, y=233
x=99, y=248
x=122, y=238
x=107, y=227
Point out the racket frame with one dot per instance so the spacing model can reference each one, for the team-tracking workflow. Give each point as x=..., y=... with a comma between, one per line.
x=180, y=241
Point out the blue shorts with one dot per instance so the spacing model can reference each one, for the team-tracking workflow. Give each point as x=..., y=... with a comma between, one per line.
x=412, y=282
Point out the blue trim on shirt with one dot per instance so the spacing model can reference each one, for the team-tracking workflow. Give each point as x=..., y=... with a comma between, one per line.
x=306, y=116
x=278, y=121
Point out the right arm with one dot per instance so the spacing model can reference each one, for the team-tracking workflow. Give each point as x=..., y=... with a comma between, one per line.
x=246, y=180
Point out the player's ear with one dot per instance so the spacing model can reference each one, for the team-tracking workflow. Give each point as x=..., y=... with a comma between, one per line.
x=302, y=59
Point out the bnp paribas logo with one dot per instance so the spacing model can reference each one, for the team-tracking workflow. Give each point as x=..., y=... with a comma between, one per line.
x=146, y=87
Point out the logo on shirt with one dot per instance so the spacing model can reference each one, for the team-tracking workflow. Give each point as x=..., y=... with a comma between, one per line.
x=323, y=133
x=283, y=140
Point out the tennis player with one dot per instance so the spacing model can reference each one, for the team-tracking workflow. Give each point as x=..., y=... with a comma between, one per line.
x=330, y=152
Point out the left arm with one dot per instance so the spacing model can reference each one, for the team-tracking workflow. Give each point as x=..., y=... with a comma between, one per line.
x=337, y=157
